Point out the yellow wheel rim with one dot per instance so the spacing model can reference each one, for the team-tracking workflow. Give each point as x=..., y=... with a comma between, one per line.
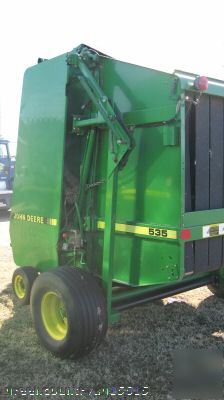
x=54, y=315
x=19, y=286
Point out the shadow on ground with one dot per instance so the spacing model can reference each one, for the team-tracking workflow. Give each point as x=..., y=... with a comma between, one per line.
x=138, y=351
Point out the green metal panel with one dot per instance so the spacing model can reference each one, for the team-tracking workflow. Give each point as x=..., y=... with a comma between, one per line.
x=206, y=217
x=134, y=88
x=149, y=188
x=36, y=210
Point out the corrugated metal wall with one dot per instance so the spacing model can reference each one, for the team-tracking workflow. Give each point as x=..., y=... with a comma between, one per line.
x=204, y=174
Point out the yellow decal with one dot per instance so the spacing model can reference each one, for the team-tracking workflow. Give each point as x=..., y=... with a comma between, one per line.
x=34, y=218
x=52, y=221
x=142, y=230
x=213, y=230
x=100, y=224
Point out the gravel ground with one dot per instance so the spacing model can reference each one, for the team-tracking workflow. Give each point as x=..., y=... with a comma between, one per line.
x=136, y=352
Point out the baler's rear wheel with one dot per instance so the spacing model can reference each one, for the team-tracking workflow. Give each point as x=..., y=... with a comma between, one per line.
x=69, y=311
x=22, y=282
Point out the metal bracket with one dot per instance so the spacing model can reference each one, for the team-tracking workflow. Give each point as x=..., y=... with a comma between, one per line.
x=121, y=142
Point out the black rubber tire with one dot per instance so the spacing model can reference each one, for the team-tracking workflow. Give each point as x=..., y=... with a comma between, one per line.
x=217, y=290
x=29, y=275
x=85, y=307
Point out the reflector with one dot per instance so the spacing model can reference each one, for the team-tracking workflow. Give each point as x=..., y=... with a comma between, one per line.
x=185, y=234
x=201, y=83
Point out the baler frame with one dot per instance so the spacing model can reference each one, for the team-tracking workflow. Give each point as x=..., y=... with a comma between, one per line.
x=121, y=144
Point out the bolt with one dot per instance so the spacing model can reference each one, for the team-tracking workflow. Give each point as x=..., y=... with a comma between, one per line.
x=120, y=141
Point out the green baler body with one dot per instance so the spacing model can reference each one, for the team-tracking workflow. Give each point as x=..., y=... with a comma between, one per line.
x=150, y=209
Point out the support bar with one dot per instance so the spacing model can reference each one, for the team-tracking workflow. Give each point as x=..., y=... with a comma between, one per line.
x=121, y=142
x=129, y=298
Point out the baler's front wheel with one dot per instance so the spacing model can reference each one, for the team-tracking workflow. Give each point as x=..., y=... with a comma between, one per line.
x=69, y=311
x=22, y=282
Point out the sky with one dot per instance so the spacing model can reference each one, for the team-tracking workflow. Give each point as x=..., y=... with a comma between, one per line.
x=165, y=35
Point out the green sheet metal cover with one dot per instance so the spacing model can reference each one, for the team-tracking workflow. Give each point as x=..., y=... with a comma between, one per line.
x=35, y=219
